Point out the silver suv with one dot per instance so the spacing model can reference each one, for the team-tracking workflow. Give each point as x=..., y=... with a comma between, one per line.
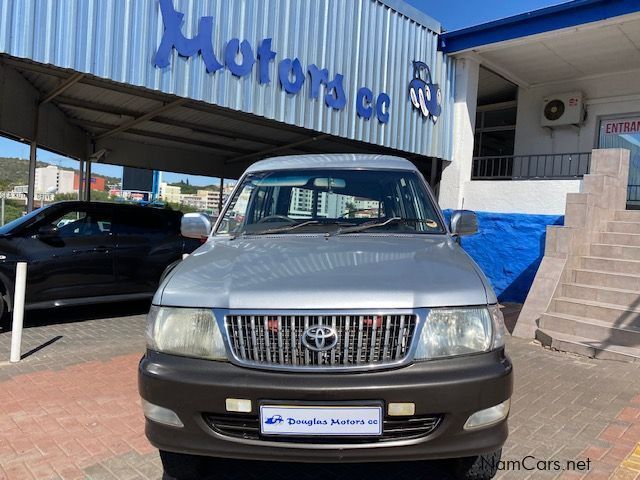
x=330, y=316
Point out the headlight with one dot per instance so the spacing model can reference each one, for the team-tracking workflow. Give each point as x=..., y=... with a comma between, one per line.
x=190, y=332
x=498, y=326
x=459, y=331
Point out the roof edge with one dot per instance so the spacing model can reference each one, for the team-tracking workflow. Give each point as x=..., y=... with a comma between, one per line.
x=413, y=13
x=556, y=17
x=331, y=161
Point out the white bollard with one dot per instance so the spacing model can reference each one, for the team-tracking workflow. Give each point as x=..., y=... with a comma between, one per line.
x=18, y=311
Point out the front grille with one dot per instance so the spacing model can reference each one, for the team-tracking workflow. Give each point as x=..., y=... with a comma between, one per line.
x=393, y=428
x=362, y=340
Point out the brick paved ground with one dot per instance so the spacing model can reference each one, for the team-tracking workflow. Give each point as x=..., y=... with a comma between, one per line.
x=70, y=410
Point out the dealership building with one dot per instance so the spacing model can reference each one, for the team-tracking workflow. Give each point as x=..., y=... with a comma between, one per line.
x=501, y=118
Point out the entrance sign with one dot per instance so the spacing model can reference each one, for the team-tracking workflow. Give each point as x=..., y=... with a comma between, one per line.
x=620, y=126
x=291, y=73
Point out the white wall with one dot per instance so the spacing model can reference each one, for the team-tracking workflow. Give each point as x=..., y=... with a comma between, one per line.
x=457, y=172
x=615, y=94
x=540, y=197
x=605, y=95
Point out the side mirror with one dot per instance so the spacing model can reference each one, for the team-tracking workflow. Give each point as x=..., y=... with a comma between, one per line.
x=463, y=222
x=48, y=232
x=195, y=225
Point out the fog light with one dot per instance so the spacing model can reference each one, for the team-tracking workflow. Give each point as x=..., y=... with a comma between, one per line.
x=241, y=405
x=160, y=414
x=401, y=409
x=488, y=416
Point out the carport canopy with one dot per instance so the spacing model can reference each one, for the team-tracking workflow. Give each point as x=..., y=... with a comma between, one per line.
x=96, y=120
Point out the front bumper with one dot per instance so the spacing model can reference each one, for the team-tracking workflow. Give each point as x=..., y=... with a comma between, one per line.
x=452, y=388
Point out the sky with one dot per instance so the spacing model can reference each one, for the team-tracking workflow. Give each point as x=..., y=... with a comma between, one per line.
x=452, y=14
x=11, y=148
x=457, y=14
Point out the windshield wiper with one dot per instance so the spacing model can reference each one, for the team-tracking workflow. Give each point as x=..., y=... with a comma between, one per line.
x=288, y=228
x=388, y=221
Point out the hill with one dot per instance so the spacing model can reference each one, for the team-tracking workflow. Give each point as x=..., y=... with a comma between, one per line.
x=15, y=171
x=188, y=189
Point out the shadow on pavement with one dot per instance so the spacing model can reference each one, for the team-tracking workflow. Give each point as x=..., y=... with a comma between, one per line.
x=61, y=315
x=40, y=347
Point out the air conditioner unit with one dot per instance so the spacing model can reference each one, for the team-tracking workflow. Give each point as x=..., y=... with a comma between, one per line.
x=562, y=109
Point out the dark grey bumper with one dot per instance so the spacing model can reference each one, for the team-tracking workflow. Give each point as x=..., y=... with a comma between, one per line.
x=454, y=388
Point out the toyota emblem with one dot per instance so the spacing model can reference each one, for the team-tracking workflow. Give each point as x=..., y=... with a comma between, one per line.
x=320, y=338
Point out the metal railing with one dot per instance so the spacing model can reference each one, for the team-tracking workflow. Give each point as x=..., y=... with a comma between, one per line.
x=531, y=167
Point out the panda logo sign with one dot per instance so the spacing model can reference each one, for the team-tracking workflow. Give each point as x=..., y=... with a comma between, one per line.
x=425, y=95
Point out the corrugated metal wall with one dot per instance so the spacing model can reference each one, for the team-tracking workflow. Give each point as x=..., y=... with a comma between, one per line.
x=366, y=41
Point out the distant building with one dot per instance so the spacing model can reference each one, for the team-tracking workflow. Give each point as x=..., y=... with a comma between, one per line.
x=194, y=201
x=135, y=195
x=331, y=206
x=211, y=198
x=169, y=193
x=205, y=200
x=52, y=178
x=98, y=184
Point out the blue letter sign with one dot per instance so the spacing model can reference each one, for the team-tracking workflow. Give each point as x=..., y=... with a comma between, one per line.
x=239, y=59
x=173, y=38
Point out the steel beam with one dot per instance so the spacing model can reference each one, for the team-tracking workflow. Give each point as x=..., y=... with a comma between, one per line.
x=196, y=127
x=73, y=79
x=277, y=149
x=143, y=118
x=227, y=149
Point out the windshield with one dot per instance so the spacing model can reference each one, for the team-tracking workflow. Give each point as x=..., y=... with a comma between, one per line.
x=330, y=201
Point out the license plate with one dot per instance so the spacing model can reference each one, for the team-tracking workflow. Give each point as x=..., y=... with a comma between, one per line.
x=320, y=420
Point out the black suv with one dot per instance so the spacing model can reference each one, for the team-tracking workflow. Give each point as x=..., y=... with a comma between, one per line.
x=82, y=252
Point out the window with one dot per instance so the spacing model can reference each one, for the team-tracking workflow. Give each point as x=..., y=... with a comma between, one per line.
x=495, y=131
x=77, y=223
x=140, y=221
x=326, y=200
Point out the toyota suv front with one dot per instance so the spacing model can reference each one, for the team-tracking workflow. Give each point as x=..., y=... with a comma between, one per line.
x=330, y=312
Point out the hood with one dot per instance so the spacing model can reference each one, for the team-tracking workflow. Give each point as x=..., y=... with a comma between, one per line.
x=317, y=272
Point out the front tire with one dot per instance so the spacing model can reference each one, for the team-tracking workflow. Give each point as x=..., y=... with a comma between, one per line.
x=180, y=466
x=480, y=467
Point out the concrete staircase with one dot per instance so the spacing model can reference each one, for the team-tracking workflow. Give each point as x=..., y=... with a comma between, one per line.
x=595, y=310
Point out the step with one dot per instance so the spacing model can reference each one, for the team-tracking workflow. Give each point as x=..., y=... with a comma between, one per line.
x=591, y=328
x=624, y=317
x=611, y=265
x=617, y=296
x=587, y=347
x=627, y=215
x=606, y=279
x=611, y=238
x=615, y=251
x=623, y=227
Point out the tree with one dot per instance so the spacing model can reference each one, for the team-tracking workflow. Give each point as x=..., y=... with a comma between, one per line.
x=182, y=208
x=13, y=209
x=351, y=209
x=96, y=195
